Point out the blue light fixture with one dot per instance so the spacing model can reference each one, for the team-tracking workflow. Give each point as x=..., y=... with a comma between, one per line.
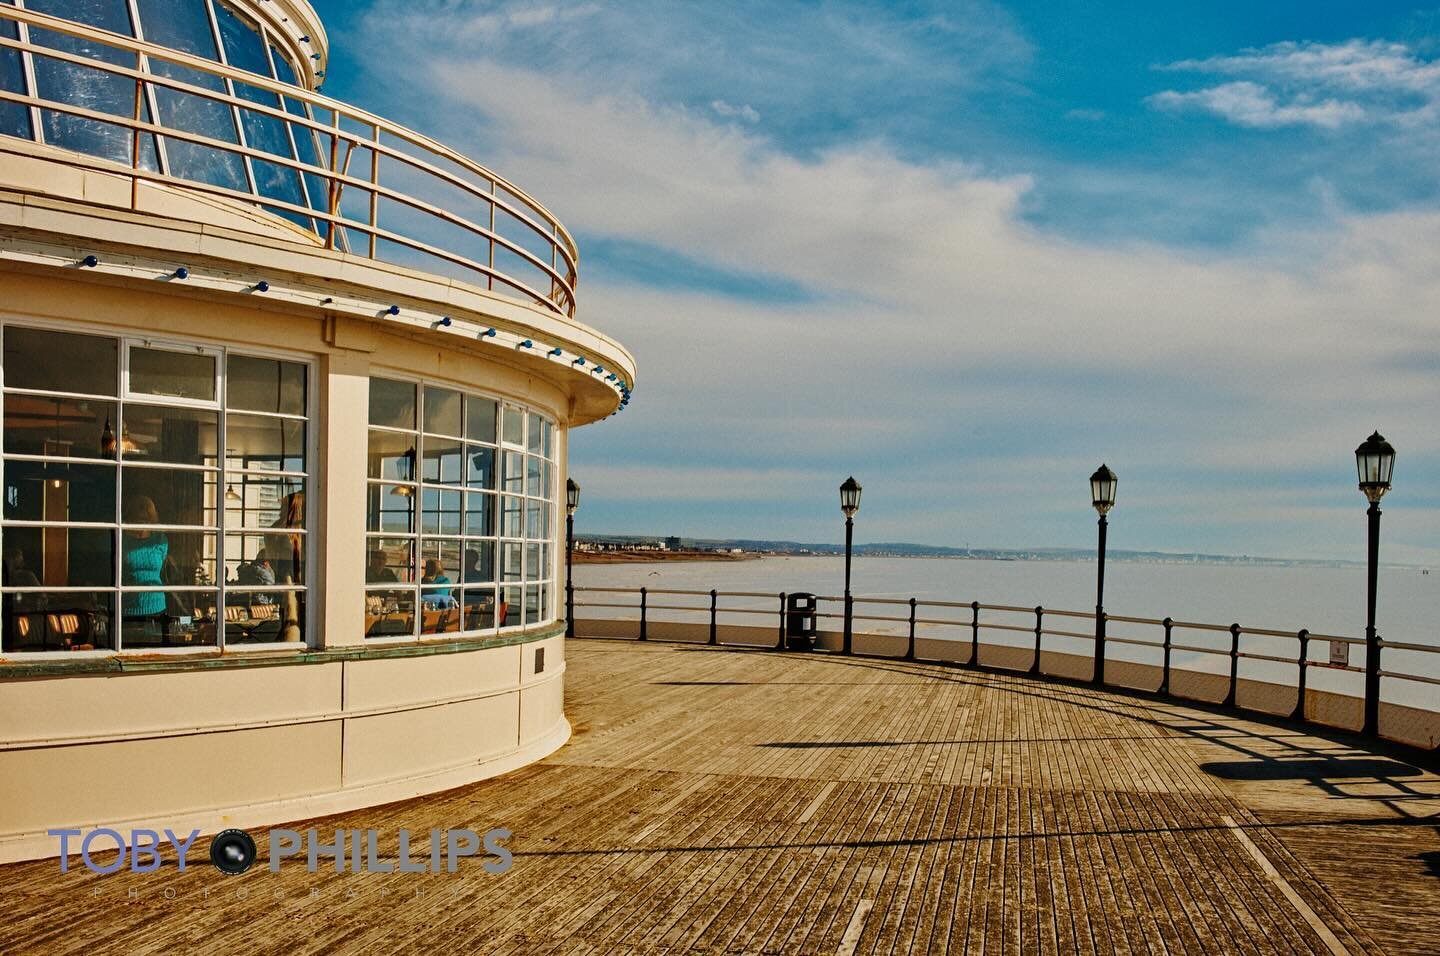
x=445, y=320
x=305, y=39
x=527, y=344
x=182, y=273
x=555, y=350
x=90, y=262
x=488, y=333
x=262, y=286
x=580, y=361
x=393, y=310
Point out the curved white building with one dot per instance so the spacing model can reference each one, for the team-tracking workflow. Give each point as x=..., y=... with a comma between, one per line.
x=286, y=397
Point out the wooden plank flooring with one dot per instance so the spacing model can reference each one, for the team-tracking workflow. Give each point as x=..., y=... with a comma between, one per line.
x=720, y=801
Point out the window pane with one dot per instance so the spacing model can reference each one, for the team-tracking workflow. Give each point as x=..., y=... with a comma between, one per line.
x=440, y=563
x=510, y=607
x=442, y=411
x=533, y=528
x=441, y=513
x=533, y=485
x=512, y=476
x=390, y=561
x=511, y=516
x=264, y=502
x=61, y=361
x=392, y=404
x=479, y=609
x=265, y=385
x=167, y=558
x=177, y=374
x=480, y=466
x=480, y=514
x=178, y=25
x=547, y=481
x=514, y=426
x=181, y=436
x=264, y=617
x=258, y=560
x=62, y=427
x=479, y=419
x=535, y=441
x=169, y=496
x=167, y=619
x=52, y=491
x=479, y=562
x=440, y=615
x=58, y=621
x=59, y=557
x=548, y=432
x=270, y=444
x=510, y=555
x=392, y=508
x=443, y=460
x=392, y=456
x=532, y=562
x=389, y=613
x=532, y=604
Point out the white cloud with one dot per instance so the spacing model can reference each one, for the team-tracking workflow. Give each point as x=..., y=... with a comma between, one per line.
x=745, y=112
x=1315, y=84
x=1250, y=104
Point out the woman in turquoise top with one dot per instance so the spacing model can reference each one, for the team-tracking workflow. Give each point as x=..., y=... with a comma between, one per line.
x=143, y=558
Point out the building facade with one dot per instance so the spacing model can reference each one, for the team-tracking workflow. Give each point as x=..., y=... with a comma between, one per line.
x=286, y=397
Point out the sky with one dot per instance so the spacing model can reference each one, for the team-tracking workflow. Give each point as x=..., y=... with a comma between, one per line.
x=967, y=251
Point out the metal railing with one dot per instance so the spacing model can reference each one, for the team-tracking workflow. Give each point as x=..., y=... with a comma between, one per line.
x=957, y=623
x=518, y=249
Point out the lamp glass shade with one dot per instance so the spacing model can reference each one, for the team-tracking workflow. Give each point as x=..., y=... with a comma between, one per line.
x=850, y=496
x=1102, y=489
x=572, y=495
x=1375, y=463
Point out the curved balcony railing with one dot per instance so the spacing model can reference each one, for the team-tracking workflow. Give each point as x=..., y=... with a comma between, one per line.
x=354, y=181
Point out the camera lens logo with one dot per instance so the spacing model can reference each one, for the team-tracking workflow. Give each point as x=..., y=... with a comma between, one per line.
x=232, y=852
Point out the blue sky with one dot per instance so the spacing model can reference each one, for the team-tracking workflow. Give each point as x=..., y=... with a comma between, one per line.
x=967, y=250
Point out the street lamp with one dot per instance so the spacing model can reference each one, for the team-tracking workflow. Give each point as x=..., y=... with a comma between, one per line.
x=572, y=501
x=849, y=504
x=1102, y=494
x=1375, y=462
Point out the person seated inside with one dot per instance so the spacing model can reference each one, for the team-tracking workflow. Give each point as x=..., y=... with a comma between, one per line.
x=435, y=596
x=377, y=572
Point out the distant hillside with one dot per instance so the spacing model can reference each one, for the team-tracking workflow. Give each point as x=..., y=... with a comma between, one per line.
x=909, y=550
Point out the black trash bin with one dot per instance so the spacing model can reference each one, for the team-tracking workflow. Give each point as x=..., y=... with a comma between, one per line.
x=800, y=621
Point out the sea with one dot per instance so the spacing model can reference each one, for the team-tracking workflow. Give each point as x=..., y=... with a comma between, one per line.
x=1324, y=600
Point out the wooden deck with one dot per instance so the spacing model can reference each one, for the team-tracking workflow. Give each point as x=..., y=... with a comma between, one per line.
x=723, y=801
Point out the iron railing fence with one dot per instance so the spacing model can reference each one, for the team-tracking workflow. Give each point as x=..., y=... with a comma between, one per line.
x=501, y=238
x=960, y=622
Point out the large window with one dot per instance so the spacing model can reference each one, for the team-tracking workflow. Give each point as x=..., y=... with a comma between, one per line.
x=211, y=29
x=460, y=515
x=154, y=494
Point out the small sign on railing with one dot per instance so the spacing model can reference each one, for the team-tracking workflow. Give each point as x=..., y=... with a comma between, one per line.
x=1340, y=653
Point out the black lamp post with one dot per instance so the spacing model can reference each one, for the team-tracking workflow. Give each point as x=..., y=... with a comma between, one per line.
x=572, y=501
x=1102, y=494
x=849, y=504
x=1375, y=462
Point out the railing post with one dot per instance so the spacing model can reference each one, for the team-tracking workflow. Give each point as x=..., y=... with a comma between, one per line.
x=910, y=650
x=1039, y=629
x=1234, y=664
x=1299, y=712
x=644, y=595
x=1165, y=671
x=974, y=633
x=780, y=644
x=713, y=641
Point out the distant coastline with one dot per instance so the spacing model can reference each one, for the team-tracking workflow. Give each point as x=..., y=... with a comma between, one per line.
x=644, y=557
